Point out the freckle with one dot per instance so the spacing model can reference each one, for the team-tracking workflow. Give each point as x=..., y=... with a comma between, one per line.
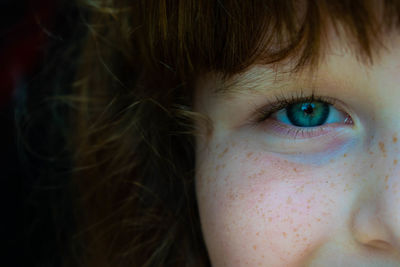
x=297, y=235
x=370, y=152
x=300, y=189
x=256, y=158
x=386, y=187
x=344, y=155
x=217, y=146
x=294, y=169
x=382, y=147
x=270, y=219
x=332, y=185
x=289, y=200
x=258, y=234
x=305, y=238
x=371, y=166
x=318, y=219
x=294, y=230
x=284, y=234
x=223, y=152
x=394, y=139
x=347, y=188
x=308, y=207
x=255, y=247
x=386, y=178
x=395, y=162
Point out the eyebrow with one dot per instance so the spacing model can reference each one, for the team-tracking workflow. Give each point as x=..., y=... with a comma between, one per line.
x=254, y=80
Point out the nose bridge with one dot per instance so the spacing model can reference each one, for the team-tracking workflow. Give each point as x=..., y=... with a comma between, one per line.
x=376, y=218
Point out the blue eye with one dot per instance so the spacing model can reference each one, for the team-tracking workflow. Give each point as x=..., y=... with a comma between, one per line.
x=309, y=114
x=306, y=114
x=302, y=116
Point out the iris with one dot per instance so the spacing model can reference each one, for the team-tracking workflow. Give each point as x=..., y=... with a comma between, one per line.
x=308, y=114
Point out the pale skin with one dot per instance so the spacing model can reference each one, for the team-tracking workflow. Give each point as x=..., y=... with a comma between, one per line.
x=326, y=198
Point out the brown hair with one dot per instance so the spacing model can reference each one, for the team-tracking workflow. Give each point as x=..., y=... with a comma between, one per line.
x=133, y=121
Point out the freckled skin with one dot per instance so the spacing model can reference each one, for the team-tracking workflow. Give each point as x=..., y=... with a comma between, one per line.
x=330, y=201
x=275, y=202
x=274, y=215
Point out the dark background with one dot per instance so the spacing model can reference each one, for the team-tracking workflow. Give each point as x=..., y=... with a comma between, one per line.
x=37, y=62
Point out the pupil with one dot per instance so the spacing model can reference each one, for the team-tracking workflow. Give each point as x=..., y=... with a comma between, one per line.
x=308, y=108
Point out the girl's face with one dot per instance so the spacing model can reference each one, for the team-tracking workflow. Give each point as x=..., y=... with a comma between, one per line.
x=303, y=170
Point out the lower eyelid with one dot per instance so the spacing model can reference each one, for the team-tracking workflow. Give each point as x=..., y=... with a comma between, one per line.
x=293, y=132
x=310, y=144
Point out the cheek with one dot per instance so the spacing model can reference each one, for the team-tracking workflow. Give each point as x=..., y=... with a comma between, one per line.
x=256, y=207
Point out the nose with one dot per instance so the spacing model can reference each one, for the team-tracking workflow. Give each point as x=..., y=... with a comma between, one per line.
x=376, y=215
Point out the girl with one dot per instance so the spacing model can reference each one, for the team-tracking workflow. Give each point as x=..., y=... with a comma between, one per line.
x=237, y=133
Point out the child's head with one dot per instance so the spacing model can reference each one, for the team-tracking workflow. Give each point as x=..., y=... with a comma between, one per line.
x=277, y=120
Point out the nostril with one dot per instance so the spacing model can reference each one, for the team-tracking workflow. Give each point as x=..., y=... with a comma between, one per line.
x=368, y=227
x=379, y=244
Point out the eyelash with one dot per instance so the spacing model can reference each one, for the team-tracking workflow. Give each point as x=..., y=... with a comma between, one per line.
x=283, y=100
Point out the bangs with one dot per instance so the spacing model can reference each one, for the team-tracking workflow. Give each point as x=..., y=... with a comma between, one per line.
x=188, y=37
